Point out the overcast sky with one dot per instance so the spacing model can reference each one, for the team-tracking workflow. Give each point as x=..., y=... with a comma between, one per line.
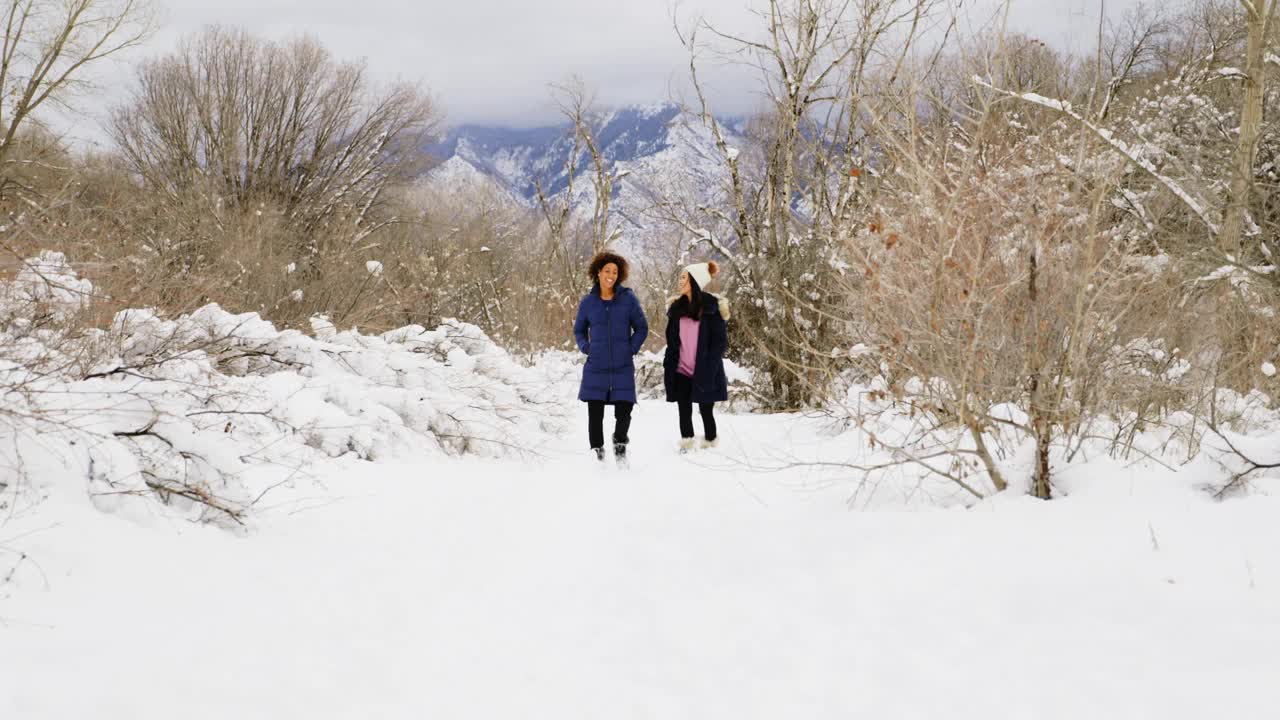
x=490, y=61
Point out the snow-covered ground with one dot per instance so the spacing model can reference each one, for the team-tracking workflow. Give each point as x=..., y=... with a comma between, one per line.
x=418, y=532
x=687, y=587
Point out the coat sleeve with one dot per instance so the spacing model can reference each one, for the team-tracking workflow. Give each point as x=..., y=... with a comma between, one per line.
x=580, y=327
x=639, y=327
x=719, y=336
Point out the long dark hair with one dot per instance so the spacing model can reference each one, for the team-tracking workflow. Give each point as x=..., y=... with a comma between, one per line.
x=690, y=305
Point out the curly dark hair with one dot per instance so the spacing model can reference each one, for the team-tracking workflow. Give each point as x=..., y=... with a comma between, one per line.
x=604, y=258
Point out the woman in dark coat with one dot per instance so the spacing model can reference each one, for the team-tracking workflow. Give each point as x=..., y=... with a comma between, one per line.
x=610, y=329
x=693, y=369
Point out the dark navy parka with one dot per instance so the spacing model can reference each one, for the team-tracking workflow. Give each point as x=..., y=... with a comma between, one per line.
x=709, y=381
x=610, y=332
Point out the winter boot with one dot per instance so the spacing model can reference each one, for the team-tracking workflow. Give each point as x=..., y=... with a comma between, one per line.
x=686, y=444
x=599, y=453
x=620, y=454
x=707, y=444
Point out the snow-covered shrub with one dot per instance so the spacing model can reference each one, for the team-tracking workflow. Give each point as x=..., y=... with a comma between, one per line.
x=202, y=409
x=45, y=286
x=998, y=299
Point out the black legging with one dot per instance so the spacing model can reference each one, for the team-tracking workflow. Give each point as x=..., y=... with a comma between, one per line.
x=595, y=422
x=683, y=392
x=706, y=410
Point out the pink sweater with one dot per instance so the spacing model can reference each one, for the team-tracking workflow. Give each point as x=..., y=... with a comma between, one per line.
x=688, y=346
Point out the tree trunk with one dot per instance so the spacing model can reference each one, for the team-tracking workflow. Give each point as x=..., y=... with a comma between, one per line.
x=1041, y=425
x=1040, y=481
x=1257, y=22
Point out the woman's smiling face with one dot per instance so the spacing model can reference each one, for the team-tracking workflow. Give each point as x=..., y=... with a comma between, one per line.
x=608, y=276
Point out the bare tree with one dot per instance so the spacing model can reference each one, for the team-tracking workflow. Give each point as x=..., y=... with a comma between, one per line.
x=1253, y=21
x=1125, y=50
x=577, y=105
x=233, y=120
x=805, y=179
x=48, y=45
x=1201, y=148
x=1258, y=18
x=999, y=296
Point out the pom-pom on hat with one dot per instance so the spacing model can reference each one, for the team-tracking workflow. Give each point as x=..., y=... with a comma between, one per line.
x=703, y=272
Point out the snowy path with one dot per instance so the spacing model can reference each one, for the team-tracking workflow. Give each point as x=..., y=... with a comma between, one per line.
x=682, y=589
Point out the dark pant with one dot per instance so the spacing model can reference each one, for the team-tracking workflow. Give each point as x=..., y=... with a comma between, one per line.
x=684, y=402
x=595, y=422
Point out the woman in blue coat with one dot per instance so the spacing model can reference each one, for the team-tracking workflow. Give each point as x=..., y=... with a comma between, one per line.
x=610, y=329
x=693, y=368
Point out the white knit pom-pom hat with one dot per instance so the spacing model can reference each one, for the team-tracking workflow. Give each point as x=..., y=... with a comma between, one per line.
x=703, y=272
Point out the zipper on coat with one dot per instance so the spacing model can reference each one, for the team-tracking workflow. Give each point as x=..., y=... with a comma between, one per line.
x=608, y=333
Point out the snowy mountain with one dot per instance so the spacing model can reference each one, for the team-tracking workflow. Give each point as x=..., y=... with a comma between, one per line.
x=657, y=151
x=456, y=179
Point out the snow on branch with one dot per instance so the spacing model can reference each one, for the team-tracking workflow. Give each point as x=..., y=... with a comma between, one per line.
x=1107, y=136
x=705, y=236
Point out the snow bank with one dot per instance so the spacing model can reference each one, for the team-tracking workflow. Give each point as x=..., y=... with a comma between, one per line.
x=912, y=455
x=209, y=410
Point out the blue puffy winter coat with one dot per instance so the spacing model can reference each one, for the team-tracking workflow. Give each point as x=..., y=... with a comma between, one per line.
x=610, y=332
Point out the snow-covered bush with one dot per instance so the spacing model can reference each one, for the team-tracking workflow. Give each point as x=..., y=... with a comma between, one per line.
x=192, y=409
x=45, y=286
x=999, y=299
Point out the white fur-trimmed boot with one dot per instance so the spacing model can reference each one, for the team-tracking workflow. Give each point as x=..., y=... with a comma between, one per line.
x=706, y=444
x=686, y=445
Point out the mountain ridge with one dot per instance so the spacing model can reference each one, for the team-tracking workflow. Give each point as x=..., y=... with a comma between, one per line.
x=655, y=151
